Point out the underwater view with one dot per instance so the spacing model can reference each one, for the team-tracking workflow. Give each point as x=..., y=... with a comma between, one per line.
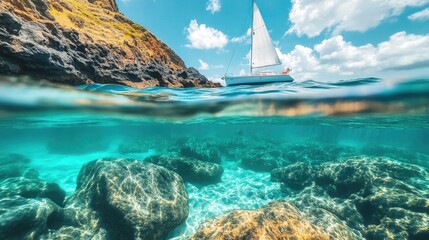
x=303, y=160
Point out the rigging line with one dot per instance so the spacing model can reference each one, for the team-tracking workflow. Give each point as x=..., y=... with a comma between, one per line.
x=259, y=27
x=236, y=44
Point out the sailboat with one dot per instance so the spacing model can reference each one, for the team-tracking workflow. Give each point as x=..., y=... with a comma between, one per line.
x=263, y=54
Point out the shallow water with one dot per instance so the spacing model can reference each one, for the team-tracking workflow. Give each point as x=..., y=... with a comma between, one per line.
x=61, y=129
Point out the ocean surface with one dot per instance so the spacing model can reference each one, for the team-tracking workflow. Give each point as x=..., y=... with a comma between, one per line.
x=248, y=130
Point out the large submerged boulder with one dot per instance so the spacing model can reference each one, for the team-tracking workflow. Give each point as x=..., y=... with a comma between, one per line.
x=189, y=169
x=130, y=199
x=86, y=41
x=277, y=220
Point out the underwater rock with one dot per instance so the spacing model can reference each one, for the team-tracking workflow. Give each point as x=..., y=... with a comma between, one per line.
x=316, y=153
x=78, y=221
x=331, y=224
x=22, y=218
x=69, y=233
x=400, y=224
x=201, y=150
x=13, y=165
x=363, y=176
x=315, y=198
x=277, y=220
x=263, y=160
x=296, y=176
x=190, y=170
x=371, y=195
x=59, y=41
x=135, y=199
x=32, y=188
x=18, y=179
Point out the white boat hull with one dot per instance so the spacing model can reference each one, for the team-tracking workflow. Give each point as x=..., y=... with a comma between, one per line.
x=257, y=79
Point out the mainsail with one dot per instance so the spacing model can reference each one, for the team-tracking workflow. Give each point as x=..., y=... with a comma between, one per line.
x=263, y=52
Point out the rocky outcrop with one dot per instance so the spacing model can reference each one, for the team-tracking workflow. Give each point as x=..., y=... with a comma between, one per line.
x=32, y=187
x=277, y=220
x=18, y=179
x=379, y=197
x=189, y=169
x=28, y=205
x=84, y=41
x=124, y=199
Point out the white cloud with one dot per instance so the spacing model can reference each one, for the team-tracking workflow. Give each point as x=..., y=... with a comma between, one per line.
x=204, y=37
x=203, y=65
x=213, y=6
x=244, y=38
x=335, y=57
x=312, y=17
x=420, y=16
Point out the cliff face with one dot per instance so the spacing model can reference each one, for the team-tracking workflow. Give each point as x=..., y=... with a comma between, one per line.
x=83, y=41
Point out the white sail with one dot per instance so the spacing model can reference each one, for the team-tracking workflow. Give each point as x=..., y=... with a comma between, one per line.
x=263, y=52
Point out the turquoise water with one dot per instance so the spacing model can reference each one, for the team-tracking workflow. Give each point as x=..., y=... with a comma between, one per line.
x=61, y=129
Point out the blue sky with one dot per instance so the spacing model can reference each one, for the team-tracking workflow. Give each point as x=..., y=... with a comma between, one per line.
x=321, y=40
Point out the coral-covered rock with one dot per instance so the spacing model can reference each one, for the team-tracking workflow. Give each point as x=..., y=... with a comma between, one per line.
x=277, y=220
x=296, y=176
x=84, y=41
x=22, y=218
x=134, y=199
x=191, y=170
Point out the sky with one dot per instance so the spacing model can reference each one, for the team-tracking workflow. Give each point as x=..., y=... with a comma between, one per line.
x=321, y=40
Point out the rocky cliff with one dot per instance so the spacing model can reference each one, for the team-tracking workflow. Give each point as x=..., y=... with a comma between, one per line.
x=84, y=41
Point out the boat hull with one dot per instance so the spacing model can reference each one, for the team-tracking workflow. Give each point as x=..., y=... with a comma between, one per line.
x=257, y=79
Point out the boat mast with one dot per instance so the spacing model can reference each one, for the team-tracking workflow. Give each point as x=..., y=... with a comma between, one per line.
x=251, y=38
